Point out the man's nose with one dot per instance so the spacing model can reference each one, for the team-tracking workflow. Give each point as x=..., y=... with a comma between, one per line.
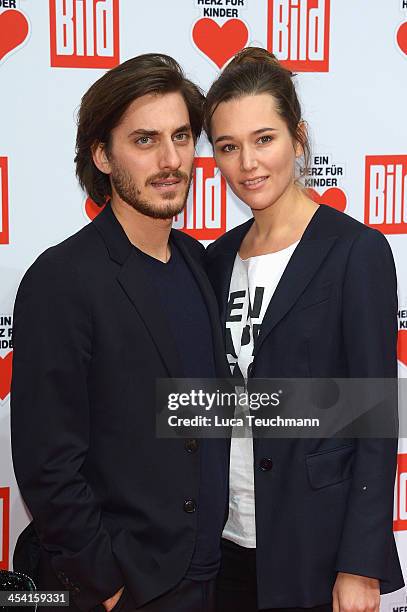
x=169, y=156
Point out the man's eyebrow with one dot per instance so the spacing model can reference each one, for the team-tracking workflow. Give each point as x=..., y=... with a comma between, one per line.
x=183, y=128
x=259, y=131
x=143, y=132
x=146, y=132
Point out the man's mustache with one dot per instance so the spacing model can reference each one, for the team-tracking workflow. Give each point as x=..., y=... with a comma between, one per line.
x=182, y=176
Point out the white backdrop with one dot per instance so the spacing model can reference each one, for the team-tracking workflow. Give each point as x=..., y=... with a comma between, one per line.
x=351, y=61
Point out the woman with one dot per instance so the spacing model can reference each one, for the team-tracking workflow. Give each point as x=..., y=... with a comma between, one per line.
x=304, y=291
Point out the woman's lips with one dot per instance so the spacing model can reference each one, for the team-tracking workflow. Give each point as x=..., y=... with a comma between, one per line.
x=255, y=183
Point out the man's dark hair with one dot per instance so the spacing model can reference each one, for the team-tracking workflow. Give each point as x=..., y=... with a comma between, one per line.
x=106, y=101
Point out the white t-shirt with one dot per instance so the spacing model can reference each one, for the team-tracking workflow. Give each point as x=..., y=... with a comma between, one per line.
x=252, y=285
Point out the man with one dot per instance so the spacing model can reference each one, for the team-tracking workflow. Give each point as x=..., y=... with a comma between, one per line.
x=123, y=518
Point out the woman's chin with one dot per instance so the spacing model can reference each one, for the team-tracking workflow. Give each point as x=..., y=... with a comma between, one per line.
x=258, y=205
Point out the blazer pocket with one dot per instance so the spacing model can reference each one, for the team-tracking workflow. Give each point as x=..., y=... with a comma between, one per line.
x=330, y=467
x=314, y=296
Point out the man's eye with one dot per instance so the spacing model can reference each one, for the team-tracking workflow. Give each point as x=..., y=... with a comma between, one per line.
x=265, y=139
x=143, y=140
x=182, y=137
x=228, y=148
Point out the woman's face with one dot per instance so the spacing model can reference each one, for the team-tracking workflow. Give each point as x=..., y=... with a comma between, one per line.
x=254, y=149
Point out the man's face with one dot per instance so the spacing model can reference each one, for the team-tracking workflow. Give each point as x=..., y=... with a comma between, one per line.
x=151, y=155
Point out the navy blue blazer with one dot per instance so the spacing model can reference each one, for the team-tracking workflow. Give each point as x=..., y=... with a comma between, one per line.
x=111, y=502
x=326, y=505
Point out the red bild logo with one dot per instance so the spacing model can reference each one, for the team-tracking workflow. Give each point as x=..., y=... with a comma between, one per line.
x=204, y=216
x=6, y=366
x=298, y=33
x=4, y=226
x=4, y=527
x=386, y=193
x=402, y=346
x=84, y=33
x=400, y=495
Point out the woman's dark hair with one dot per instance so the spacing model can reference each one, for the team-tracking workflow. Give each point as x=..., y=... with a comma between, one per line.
x=106, y=101
x=255, y=71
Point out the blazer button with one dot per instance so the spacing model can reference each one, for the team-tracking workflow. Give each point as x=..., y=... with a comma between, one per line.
x=189, y=506
x=191, y=446
x=63, y=578
x=265, y=464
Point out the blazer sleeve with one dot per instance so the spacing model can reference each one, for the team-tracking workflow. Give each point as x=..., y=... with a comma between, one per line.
x=50, y=425
x=370, y=338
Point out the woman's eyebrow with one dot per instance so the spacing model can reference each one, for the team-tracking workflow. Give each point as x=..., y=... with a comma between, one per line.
x=259, y=131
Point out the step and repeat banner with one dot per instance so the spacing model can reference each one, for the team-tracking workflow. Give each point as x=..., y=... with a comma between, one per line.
x=351, y=64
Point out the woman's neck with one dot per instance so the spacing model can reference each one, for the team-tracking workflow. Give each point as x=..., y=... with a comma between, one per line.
x=279, y=225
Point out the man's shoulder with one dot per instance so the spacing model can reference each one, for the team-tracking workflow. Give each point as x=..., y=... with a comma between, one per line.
x=67, y=258
x=77, y=245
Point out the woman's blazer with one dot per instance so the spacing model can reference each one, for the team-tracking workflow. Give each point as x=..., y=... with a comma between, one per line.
x=323, y=505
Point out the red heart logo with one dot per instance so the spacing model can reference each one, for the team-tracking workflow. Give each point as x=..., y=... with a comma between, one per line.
x=220, y=43
x=402, y=346
x=334, y=197
x=402, y=37
x=5, y=375
x=92, y=209
x=13, y=31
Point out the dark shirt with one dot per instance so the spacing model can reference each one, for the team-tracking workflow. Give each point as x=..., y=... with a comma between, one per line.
x=187, y=315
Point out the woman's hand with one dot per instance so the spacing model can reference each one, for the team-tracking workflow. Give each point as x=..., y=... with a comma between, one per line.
x=353, y=593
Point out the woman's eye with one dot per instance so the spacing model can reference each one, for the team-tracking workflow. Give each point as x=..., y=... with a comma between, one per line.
x=228, y=148
x=265, y=139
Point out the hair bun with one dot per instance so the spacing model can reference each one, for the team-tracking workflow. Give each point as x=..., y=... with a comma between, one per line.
x=255, y=55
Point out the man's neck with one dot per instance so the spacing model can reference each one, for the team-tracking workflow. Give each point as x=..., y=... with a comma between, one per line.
x=147, y=234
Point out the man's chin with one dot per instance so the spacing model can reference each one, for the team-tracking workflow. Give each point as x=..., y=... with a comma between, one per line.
x=164, y=210
x=165, y=215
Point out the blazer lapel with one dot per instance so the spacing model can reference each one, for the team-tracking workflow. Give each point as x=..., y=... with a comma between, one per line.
x=210, y=301
x=138, y=287
x=304, y=263
x=220, y=267
x=140, y=290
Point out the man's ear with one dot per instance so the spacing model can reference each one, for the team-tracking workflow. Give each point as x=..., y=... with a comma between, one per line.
x=100, y=157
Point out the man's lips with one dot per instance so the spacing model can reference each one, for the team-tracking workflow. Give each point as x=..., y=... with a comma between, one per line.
x=254, y=183
x=166, y=184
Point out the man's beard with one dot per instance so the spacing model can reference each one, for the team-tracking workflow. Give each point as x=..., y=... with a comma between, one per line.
x=128, y=191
